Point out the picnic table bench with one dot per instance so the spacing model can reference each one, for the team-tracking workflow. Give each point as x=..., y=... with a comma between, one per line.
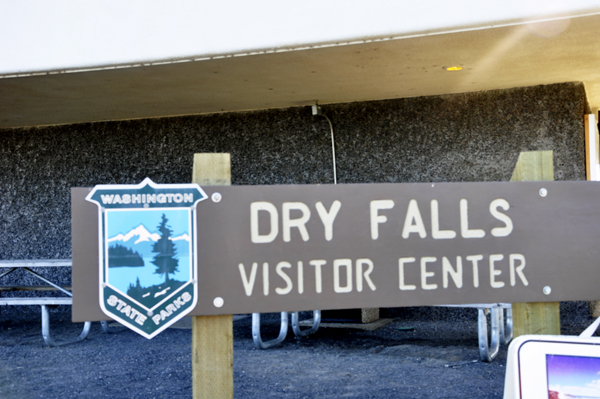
x=45, y=301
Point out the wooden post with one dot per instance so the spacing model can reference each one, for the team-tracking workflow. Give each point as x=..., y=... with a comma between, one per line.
x=536, y=317
x=212, y=336
x=591, y=173
x=591, y=148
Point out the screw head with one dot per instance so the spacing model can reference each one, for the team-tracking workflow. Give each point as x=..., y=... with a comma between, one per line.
x=543, y=192
x=218, y=302
x=547, y=290
x=216, y=197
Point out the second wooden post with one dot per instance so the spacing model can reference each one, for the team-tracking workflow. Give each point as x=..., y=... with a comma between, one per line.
x=535, y=317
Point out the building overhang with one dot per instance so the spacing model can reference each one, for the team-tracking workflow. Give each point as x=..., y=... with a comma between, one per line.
x=515, y=53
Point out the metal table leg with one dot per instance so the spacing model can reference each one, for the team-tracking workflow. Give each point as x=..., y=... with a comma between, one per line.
x=489, y=352
x=506, y=329
x=106, y=328
x=315, y=327
x=9, y=271
x=46, y=330
x=256, y=331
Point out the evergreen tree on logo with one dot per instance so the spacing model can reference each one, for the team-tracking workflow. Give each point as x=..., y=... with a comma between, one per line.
x=165, y=259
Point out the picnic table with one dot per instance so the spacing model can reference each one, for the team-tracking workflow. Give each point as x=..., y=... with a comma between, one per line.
x=42, y=297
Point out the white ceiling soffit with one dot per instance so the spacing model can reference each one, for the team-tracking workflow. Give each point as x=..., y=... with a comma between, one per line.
x=86, y=61
x=41, y=35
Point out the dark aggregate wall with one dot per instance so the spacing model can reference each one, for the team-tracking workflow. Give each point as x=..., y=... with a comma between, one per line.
x=463, y=137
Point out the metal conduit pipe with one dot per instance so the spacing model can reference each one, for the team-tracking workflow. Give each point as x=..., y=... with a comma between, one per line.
x=316, y=110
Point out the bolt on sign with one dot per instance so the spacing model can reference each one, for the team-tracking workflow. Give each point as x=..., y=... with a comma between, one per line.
x=147, y=250
x=306, y=247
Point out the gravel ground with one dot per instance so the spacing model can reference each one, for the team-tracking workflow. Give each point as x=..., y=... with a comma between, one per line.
x=408, y=358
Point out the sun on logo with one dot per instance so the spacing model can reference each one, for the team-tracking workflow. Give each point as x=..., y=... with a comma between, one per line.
x=148, y=253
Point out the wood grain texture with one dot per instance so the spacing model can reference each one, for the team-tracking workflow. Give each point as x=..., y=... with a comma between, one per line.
x=212, y=357
x=212, y=169
x=538, y=317
x=534, y=166
x=212, y=336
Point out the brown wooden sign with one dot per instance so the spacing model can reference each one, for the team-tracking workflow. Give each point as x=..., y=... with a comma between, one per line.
x=306, y=247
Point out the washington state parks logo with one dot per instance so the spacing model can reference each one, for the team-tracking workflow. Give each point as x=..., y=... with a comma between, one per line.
x=148, y=253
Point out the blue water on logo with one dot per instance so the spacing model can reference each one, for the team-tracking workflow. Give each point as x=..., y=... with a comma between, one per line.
x=121, y=277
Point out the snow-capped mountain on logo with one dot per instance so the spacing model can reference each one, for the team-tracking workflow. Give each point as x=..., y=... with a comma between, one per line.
x=140, y=232
x=141, y=240
x=184, y=236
